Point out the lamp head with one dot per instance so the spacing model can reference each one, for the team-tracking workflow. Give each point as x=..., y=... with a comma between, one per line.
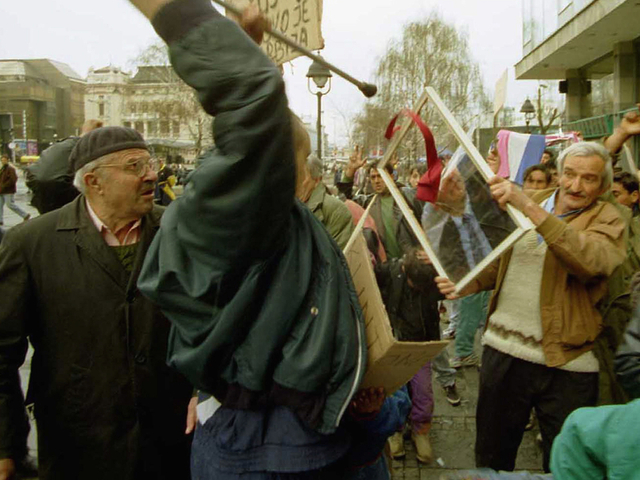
x=319, y=74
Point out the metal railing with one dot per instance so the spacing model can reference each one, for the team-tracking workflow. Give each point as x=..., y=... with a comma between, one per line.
x=597, y=127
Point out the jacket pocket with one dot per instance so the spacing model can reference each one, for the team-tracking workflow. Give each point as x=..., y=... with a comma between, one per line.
x=581, y=323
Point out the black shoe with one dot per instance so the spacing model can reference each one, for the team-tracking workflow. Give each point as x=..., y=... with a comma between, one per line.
x=452, y=395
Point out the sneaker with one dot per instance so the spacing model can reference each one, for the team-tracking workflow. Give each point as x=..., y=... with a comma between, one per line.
x=424, y=452
x=468, y=361
x=452, y=395
x=449, y=333
x=396, y=446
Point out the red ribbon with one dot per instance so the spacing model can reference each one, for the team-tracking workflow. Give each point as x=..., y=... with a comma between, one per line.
x=429, y=184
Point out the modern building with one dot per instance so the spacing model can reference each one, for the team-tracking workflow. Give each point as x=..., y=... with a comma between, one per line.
x=41, y=100
x=155, y=103
x=592, y=46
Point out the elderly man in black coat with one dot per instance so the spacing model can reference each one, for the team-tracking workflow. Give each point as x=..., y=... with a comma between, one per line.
x=106, y=404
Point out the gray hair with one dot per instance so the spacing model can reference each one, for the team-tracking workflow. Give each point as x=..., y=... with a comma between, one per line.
x=588, y=149
x=78, y=179
x=314, y=164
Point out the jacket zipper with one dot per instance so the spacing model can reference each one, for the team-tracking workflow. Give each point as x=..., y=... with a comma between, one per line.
x=355, y=385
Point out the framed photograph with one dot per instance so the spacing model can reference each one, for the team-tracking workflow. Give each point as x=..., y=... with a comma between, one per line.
x=464, y=230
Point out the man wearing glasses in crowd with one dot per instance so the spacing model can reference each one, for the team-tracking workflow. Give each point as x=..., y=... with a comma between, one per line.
x=106, y=404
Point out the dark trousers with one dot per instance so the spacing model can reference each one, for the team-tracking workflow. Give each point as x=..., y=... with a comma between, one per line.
x=509, y=389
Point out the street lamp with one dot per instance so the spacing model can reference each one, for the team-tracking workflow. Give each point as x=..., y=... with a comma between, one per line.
x=321, y=76
x=529, y=112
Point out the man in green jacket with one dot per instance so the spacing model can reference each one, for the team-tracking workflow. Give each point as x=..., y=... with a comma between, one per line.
x=265, y=316
x=333, y=214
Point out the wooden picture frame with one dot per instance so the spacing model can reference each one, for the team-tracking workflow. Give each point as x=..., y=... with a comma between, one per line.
x=520, y=221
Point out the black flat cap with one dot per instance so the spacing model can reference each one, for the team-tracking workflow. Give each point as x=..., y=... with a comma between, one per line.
x=102, y=141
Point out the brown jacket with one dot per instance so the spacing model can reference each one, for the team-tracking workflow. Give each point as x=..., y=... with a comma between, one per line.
x=8, y=179
x=583, y=250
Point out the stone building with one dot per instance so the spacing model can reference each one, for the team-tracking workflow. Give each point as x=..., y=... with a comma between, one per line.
x=155, y=103
x=42, y=99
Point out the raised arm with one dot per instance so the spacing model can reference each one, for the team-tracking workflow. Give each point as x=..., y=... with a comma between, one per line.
x=238, y=202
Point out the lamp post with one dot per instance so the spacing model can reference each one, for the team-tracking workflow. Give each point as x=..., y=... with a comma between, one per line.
x=321, y=76
x=529, y=112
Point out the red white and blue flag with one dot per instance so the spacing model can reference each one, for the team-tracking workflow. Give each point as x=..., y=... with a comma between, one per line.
x=518, y=151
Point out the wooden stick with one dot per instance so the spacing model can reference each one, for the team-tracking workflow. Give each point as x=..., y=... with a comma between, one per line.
x=368, y=89
x=398, y=137
x=411, y=219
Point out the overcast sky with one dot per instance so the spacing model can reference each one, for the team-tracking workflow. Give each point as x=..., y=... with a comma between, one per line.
x=85, y=33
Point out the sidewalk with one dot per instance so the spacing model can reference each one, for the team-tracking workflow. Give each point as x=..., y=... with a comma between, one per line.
x=11, y=219
x=453, y=434
x=22, y=198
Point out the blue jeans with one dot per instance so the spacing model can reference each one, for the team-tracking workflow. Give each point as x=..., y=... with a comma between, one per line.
x=473, y=314
x=7, y=198
x=445, y=375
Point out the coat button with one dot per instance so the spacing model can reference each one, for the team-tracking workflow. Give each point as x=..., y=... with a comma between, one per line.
x=140, y=359
x=131, y=297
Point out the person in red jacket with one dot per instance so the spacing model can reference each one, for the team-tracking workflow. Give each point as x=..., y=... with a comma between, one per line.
x=8, y=180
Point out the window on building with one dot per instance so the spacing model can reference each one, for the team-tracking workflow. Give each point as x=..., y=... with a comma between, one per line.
x=127, y=124
x=176, y=128
x=164, y=127
x=132, y=107
x=139, y=127
x=152, y=128
x=101, y=109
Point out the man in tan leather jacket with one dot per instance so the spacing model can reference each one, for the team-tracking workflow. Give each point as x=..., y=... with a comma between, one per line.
x=542, y=319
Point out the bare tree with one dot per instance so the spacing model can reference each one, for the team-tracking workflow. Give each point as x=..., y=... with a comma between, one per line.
x=173, y=100
x=432, y=53
x=546, y=114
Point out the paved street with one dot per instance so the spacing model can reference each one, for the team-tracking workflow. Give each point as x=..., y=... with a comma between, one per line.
x=453, y=431
x=453, y=435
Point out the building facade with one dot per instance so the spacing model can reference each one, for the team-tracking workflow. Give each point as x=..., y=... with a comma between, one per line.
x=592, y=47
x=41, y=100
x=155, y=103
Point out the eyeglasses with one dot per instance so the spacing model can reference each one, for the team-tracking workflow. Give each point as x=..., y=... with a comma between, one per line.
x=137, y=167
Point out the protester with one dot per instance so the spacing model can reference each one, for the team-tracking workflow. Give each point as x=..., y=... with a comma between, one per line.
x=546, y=289
x=628, y=127
x=416, y=174
x=50, y=179
x=547, y=156
x=536, y=177
x=627, y=362
x=8, y=181
x=393, y=229
x=398, y=241
x=372, y=419
x=265, y=316
x=164, y=193
x=106, y=404
x=625, y=190
x=333, y=214
x=411, y=298
x=553, y=170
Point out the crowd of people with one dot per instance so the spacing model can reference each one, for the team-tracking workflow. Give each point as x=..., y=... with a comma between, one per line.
x=221, y=337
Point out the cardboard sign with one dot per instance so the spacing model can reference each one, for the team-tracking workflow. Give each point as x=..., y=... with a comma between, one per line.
x=391, y=363
x=500, y=97
x=300, y=20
